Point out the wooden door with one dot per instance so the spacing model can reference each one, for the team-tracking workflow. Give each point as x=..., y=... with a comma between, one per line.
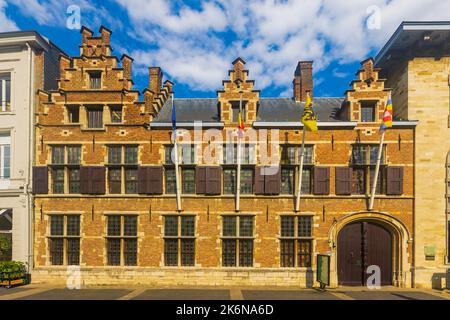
x=360, y=245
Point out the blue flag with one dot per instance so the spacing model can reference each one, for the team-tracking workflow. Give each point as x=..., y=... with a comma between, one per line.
x=174, y=116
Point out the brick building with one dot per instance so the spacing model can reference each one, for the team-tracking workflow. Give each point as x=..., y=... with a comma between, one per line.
x=105, y=185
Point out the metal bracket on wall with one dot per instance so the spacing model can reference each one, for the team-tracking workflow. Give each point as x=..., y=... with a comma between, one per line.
x=150, y=212
x=207, y=213
x=92, y=213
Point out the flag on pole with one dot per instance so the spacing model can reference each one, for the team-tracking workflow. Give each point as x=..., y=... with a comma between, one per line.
x=387, y=116
x=174, y=116
x=241, y=126
x=309, y=119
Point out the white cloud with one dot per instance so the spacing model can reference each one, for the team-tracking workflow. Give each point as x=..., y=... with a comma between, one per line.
x=6, y=24
x=195, y=44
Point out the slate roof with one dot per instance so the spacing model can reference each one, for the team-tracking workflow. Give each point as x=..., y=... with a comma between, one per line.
x=269, y=109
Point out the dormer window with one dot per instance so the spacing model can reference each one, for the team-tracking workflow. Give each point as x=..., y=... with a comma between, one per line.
x=95, y=80
x=235, y=111
x=368, y=111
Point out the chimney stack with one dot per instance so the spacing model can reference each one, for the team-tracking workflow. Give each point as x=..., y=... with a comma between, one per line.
x=106, y=35
x=155, y=75
x=303, y=81
x=127, y=63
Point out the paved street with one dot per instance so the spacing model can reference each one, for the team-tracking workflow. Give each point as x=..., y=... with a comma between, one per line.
x=36, y=292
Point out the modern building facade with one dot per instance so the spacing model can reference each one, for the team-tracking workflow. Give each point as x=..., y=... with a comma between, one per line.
x=27, y=62
x=416, y=64
x=105, y=181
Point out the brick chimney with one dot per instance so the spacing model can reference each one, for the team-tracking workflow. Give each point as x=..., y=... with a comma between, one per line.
x=106, y=35
x=85, y=34
x=303, y=80
x=155, y=75
x=127, y=63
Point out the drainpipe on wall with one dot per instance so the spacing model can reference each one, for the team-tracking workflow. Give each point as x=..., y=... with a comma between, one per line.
x=31, y=157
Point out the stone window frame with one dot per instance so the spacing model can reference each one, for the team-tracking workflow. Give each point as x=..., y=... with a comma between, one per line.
x=4, y=107
x=66, y=166
x=65, y=237
x=376, y=109
x=368, y=166
x=297, y=238
x=89, y=80
x=122, y=237
x=179, y=238
x=5, y=144
x=169, y=165
x=7, y=232
x=308, y=166
x=123, y=165
x=237, y=238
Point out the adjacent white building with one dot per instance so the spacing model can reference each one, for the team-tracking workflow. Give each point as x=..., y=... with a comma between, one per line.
x=28, y=62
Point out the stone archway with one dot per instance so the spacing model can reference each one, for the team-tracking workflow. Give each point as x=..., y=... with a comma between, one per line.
x=380, y=224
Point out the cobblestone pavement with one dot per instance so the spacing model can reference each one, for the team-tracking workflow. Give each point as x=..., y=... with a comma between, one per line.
x=37, y=292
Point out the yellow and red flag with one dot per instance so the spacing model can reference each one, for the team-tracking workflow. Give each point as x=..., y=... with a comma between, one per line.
x=309, y=119
x=387, y=116
x=241, y=126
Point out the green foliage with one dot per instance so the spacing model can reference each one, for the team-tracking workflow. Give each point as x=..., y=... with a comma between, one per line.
x=12, y=269
x=5, y=245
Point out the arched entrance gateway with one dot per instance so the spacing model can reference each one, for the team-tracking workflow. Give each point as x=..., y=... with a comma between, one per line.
x=362, y=244
x=364, y=239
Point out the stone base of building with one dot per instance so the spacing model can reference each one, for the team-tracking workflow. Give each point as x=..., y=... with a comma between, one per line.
x=433, y=278
x=96, y=276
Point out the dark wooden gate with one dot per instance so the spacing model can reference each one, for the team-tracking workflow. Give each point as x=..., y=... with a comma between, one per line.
x=361, y=244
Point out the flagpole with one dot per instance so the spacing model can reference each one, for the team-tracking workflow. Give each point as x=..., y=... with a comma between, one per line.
x=300, y=174
x=377, y=169
x=177, y=178
x=238, y=174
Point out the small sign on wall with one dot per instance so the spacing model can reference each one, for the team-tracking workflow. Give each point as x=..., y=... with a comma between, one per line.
x=430, y=253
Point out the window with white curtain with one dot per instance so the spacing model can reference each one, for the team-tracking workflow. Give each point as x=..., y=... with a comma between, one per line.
x=5, y=92
x=5, y=155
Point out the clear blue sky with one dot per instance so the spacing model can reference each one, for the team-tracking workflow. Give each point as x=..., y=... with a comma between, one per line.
x=195, y=41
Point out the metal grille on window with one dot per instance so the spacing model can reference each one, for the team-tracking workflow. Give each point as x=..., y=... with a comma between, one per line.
x=58, y=155
x=115, y=154
x=57, y=225
x=304, y=226
x=171, y=226
x=58, y=180
x=113, y=252
x=287, y=253
x=113, y=226
x=73, y=225
x=245, y=253
x=245, y=226
x=130, y=252
x=188, y=226
x=187, y=252
x=56, y=251
x=229, y=253
x=188, y=181
x=247, y=181
x=73, y=155
x=287, y=226
x=170, y=180
x=287, y=180
x=115, y=178
x=306, y=181
x=74, y=180
x=304, y=253
x=229, y=181
x=130, y=226
x=131, y=180
x=73, y=251
x=131, y=154
x=229, y=226
x=171, y=252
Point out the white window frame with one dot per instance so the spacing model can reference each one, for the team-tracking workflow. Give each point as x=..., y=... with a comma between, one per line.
x=3, y=89
x=5, y=140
